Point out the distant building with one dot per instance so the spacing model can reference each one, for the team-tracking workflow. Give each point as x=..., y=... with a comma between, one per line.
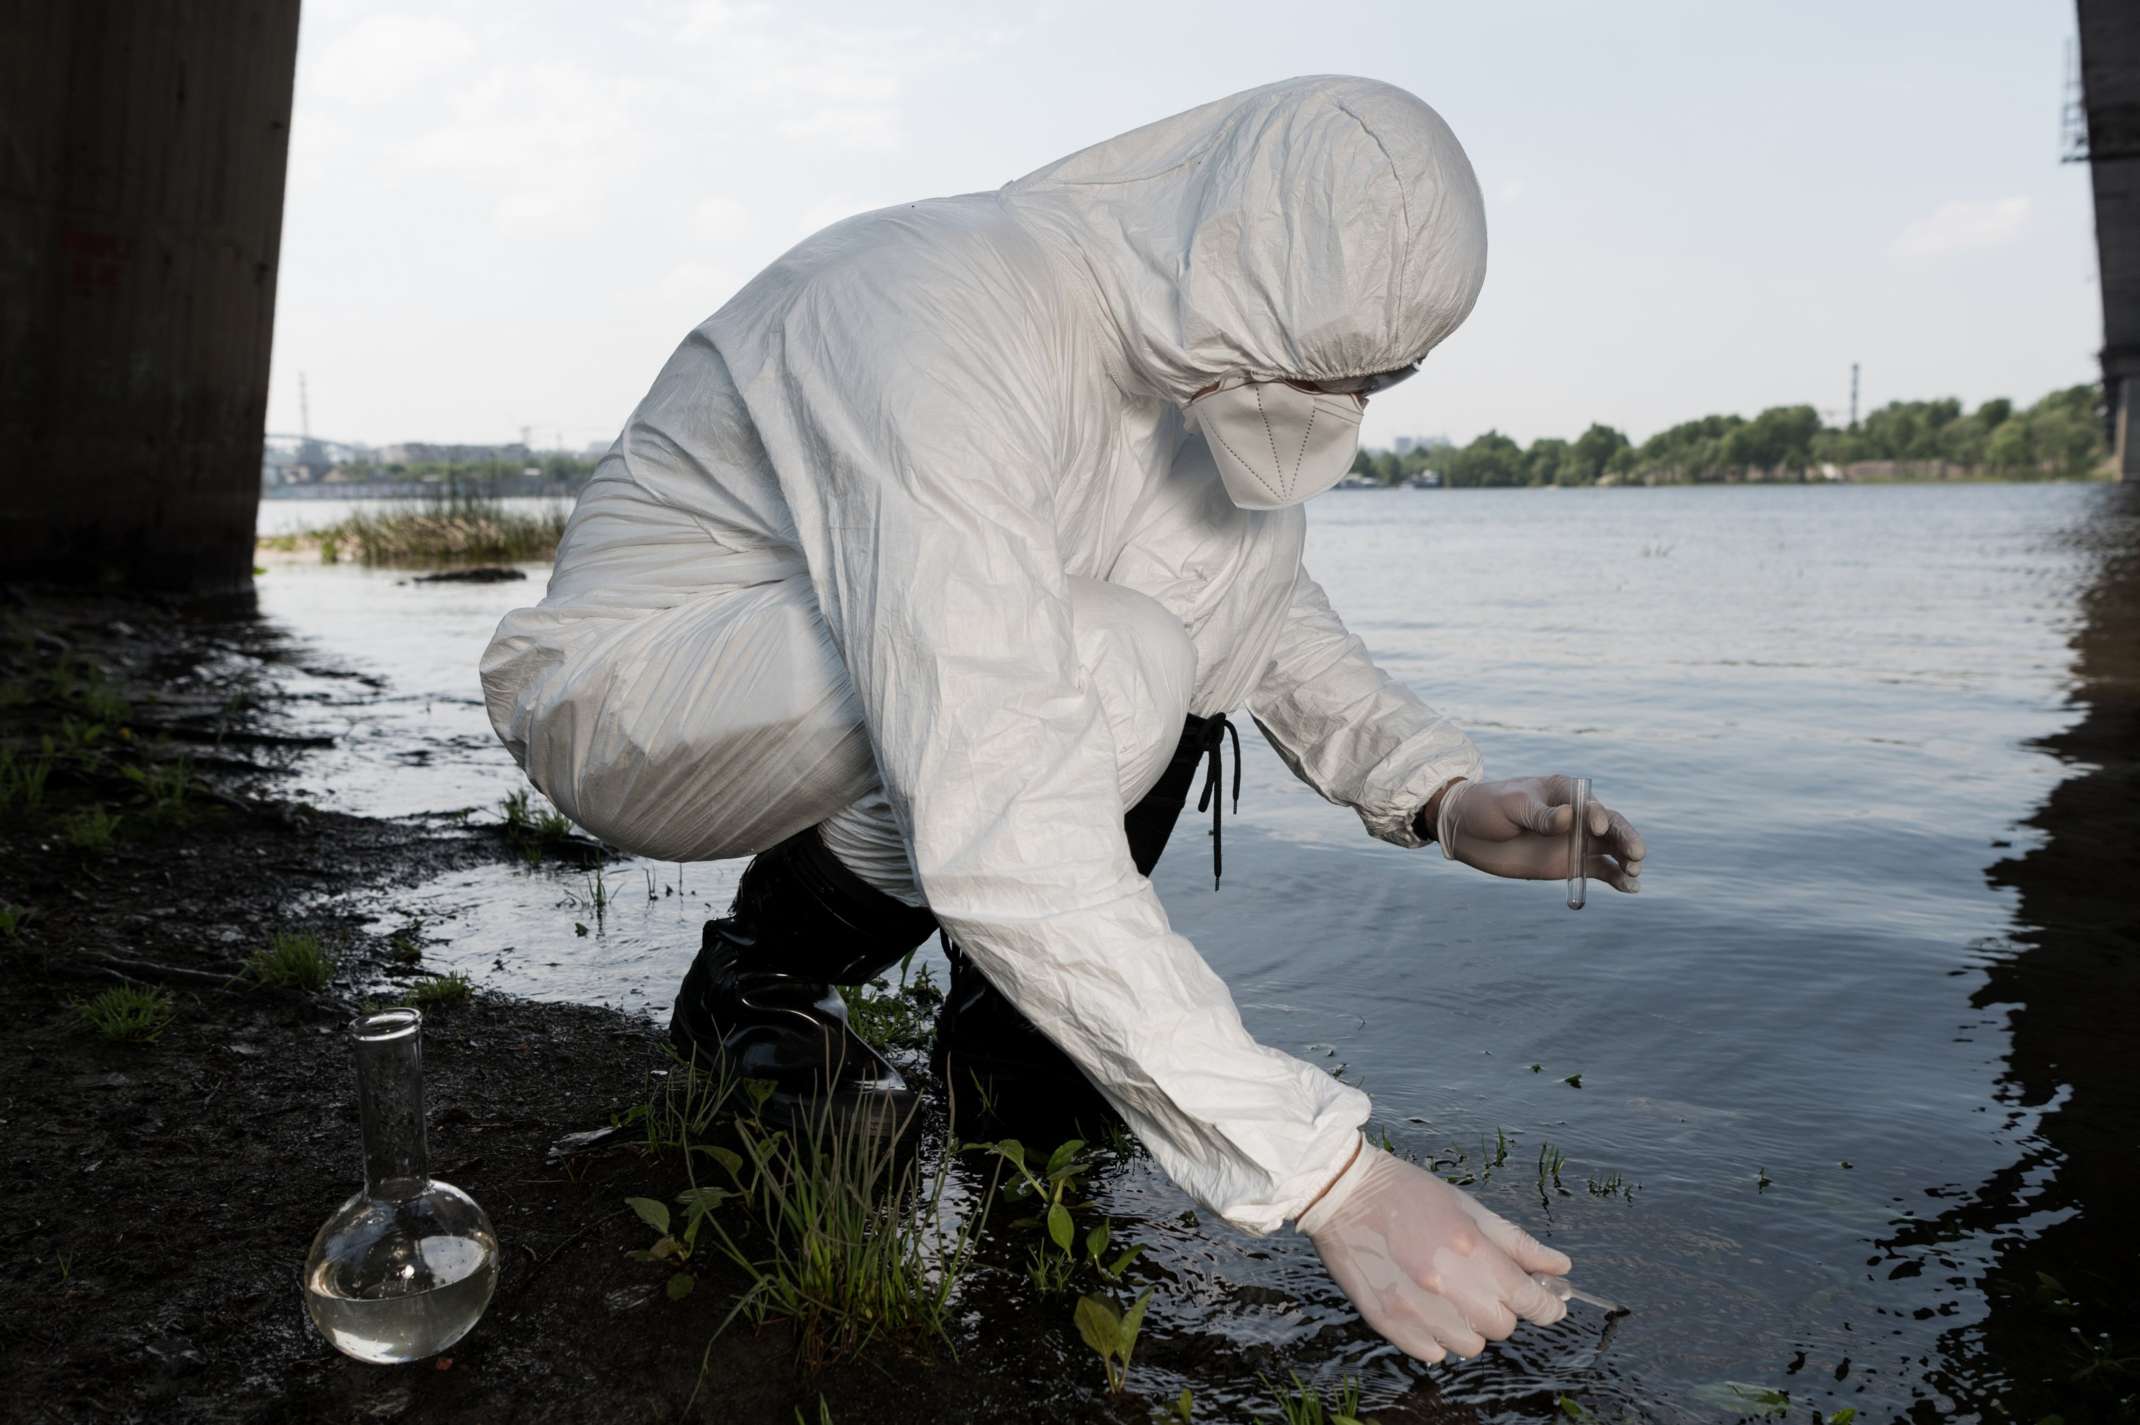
x=1408, y=443
x=420, y=452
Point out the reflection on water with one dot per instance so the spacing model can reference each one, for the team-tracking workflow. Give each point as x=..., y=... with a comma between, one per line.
x=1843, y=1095
x=2061, y=1332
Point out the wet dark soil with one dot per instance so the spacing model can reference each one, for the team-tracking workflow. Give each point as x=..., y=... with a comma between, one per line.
x=160, y=1196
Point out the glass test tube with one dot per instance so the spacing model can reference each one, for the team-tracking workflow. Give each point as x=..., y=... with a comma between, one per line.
x=1579, y=844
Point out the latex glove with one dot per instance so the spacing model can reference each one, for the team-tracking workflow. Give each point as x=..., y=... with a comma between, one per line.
x=1519, y=828
x=1427, y=1266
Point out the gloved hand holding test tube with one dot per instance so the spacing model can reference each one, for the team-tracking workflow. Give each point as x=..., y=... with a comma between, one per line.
x=1569, y=1291
x=1539, y=829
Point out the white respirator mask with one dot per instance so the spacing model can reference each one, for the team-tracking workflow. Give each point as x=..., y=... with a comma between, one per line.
x=1276, y=444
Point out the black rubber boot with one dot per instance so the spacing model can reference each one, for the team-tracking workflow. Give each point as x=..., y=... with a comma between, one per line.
x=760, y=999
x=990, y=1056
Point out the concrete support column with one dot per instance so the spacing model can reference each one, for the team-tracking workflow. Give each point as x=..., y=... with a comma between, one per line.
x=142, y=152
x=2110, y=88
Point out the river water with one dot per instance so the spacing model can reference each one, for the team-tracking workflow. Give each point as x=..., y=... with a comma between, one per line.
x=1828, y=1131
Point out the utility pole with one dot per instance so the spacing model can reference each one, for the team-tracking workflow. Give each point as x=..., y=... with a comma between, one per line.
x=527, y=435
x=304, y=408
x=1853, y=395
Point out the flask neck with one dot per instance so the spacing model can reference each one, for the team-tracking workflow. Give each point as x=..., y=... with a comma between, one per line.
x=390, y=1096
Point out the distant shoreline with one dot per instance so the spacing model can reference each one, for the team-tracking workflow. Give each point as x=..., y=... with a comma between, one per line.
x=386, y=493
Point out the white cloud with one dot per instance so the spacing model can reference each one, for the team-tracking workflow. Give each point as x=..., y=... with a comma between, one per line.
x=870, y=130
x=384, y=56
x=838, y=86
x=719, y=219
x=1963, y=226
x=711, y=19
x=548, y=140
x=855, y=78
x=1509, y=191
x=698, y=287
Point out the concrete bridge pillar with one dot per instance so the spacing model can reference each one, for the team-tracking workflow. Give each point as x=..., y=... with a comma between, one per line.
x=142, y=152
x=2110, y=88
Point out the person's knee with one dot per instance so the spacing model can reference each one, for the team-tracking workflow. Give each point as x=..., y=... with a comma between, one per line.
x=1140, y=661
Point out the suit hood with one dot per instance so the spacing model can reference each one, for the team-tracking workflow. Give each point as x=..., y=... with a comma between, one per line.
x=1315, y=228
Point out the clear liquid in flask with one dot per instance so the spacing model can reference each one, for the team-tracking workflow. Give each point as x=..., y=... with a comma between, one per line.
x=405, y=1268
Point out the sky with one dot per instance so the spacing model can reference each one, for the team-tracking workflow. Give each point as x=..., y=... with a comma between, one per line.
x=504, y=217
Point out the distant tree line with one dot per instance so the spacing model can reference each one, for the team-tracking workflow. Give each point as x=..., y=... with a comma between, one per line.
x=554, y=466
x=2060, y=437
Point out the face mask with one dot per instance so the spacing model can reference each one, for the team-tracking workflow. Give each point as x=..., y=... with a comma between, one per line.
x=1277, y=445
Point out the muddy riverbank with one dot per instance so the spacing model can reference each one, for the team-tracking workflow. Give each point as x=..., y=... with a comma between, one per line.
x=162, y=1194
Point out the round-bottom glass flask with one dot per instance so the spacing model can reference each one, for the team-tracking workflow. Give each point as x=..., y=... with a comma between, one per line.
x=404, y=1268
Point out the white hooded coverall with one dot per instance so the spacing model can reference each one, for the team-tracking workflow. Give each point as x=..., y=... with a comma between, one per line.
x=903, y=534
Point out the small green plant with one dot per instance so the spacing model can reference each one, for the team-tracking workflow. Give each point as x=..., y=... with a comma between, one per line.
x=1611, y=1185
x=1759, y=1400
x=1049, y=1272
x=101, y=700
x=12, y=919
x=1762, y=1181
x=1184, y=1406
x=91, y=829
x=1550, y=1161
x=127, y=1014
x=1570, y=1407
x=405, y=946
x=1573, y=1081
x=22, y=779
x=165, y=784
x=598, y=894
x=293, y=960
x=80, y=738
x=1844, y=1416
x=1051, y=1189
x=525, y=822
x=441, y=992
x=1305, y=1405
x=888, y=1018
x=1096, y=1244
x=1112, y=1334
x=676, y=1246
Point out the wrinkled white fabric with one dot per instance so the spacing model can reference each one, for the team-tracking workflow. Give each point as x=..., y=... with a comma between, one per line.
x=1142, y=667
x=930, y=420
x=1276, y=444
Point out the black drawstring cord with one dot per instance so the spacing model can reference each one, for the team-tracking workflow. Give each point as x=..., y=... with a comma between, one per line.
x=1215, y=732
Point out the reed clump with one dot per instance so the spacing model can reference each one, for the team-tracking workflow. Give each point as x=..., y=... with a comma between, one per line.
x=451, y=526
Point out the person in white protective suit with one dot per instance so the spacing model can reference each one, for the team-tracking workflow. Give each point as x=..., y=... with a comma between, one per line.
x=927, y=573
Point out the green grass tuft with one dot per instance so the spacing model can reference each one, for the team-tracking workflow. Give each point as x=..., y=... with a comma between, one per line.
x=91, y=829
x=22, y=777
x=127, y=1014
x=441, y=992
x=1305, y=1405
x=533, y=827
x=888, y=1017
x=293, y=960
